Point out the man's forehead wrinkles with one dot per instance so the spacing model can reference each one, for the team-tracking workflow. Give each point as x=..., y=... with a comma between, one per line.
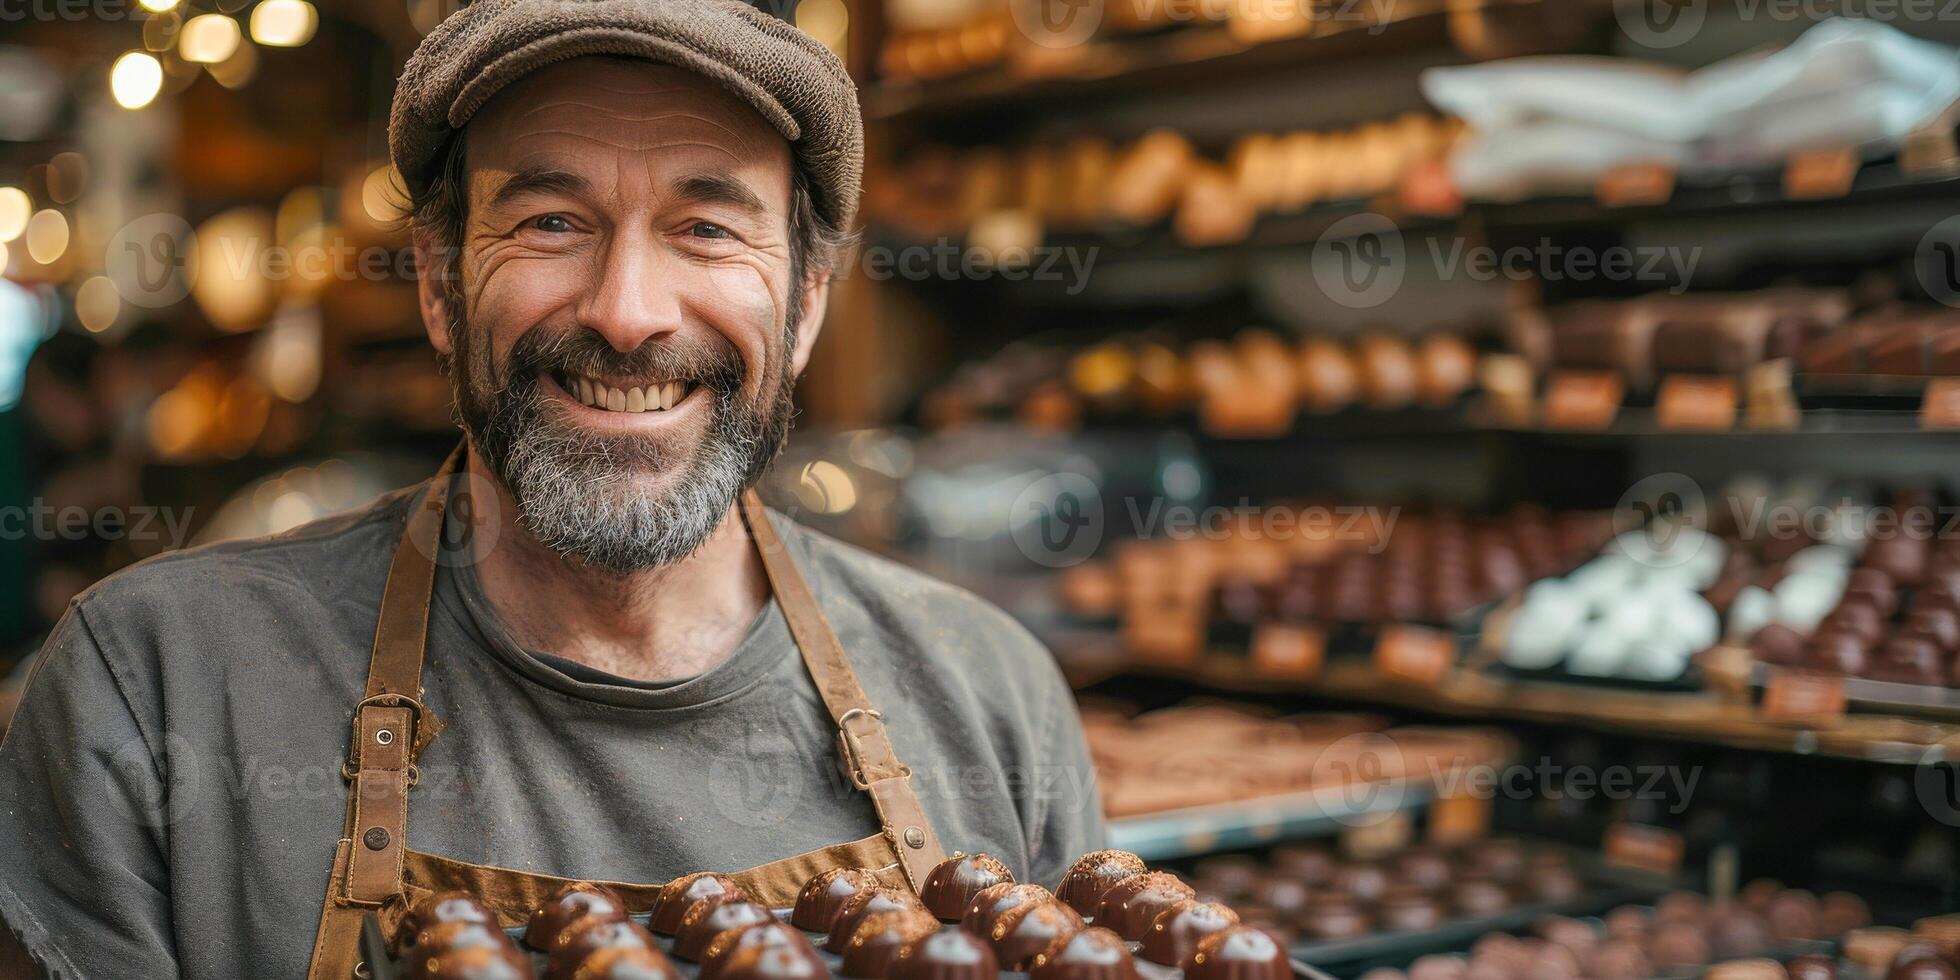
x=642, y=145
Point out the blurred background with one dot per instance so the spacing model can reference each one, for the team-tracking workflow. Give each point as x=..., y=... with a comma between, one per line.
x=1580, y=370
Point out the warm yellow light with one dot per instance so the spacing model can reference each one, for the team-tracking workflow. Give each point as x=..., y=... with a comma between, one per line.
x=381, y=195
x=3, y=258
x=135, y=80
x=47, y=236
x=158, y=6
x=284, y=23
x=96, y=304
x=826, y=20
x=15, y=208
x=208, y=39
x=234, y=72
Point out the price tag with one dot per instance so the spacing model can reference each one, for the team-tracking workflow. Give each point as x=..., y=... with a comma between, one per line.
x=1457, y=819
x=1288, y=651
x=1635, y=185
x=1644, y=848
x=1820, y=173
x=1696, y=402
x=1806, y=698
x=1583, y=399
x=1941, y=408
x=1387, y=835
x=1414, y=654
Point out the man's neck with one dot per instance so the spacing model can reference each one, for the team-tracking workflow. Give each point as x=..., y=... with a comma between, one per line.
x=660, y=624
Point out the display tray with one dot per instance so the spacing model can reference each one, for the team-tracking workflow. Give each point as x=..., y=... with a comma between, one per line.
x=1690, y=681
x=382, y=966
x=1888, y=697
x=1608, y=887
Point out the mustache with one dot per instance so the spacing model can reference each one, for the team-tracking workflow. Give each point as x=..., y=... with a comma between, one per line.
x=711, y=362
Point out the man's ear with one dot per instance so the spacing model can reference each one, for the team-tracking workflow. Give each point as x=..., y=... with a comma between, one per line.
x=429, y=294
x=816, y=297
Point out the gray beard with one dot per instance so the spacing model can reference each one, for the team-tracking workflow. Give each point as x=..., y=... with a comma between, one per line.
x=582, y=495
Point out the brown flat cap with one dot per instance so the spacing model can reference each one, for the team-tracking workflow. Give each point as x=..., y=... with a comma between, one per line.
x=793, y=81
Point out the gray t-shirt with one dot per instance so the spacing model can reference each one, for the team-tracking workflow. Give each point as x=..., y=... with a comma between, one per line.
x=170, y=793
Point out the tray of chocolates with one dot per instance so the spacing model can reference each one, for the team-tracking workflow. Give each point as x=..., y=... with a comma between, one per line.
x=1767, y=932
x=1339, y=911
x=1111, y=918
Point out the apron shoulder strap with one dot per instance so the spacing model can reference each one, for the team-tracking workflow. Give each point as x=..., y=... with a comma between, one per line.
x=867, y=751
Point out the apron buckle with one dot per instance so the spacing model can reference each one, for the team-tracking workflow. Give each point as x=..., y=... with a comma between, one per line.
x=853, y=753
x=384, y=736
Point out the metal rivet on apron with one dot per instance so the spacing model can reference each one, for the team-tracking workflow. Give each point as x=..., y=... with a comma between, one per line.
x=384, y=737
x=914, y=837
x=376, y=839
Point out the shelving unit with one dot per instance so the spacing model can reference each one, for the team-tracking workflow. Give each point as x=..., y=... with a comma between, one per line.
x=1266, y=820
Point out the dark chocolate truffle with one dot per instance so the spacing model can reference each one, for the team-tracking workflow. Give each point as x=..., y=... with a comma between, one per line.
x=1334, y=915
x=1794, y=914
x=1022, y=933
x=1086, y=881
x=878, y=937
x=474, y=963
x=1408, y=908
x=710, y=917
x=445, y=938
x=775, y=963
x=579, y=900
x=1478, y=897
x=575, y=946
x=1239, y=953
x=677, y=896
x=1812, y=966
x=1092, y=954
x=451, y=906
x=1842, y=912
x=1924, y=968
x=951, y=886
x=1131, y=905
x=1778, y=644
x=724, y=947
x=1619, y=959
x=1426, y=870
x=996, y=899
x=824, y=895
x=1307, y=863
x=1363, y=880
x=626, y=963
x=1678, y=945
x=1554, y=885
x=1175, y=933
x=949, y=954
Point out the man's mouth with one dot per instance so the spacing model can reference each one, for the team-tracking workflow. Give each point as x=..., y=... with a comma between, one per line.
x=654, y=397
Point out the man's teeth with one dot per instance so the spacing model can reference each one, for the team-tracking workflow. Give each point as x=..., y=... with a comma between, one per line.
x=647, y=398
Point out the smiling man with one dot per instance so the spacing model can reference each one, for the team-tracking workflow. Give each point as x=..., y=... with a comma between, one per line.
x=583, y=650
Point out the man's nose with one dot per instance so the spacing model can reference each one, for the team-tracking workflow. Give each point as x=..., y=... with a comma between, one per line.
x=635, y=298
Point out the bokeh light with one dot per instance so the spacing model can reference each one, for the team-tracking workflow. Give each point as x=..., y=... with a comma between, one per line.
x=97, y=303
x=135, y=80
x=15, y=208
x=47, y=236
x=284, y=23
x=208, y=39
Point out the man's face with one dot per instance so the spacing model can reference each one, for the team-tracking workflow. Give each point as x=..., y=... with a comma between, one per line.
x=620, y=329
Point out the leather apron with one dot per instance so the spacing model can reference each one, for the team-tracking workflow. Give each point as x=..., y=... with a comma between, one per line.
x=375, y=871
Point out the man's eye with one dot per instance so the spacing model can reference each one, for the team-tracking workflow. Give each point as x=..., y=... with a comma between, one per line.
x=708, y=229
x=553, y=223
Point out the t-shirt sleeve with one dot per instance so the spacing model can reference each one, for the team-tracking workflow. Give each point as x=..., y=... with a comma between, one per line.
x=1067, y=814
x=84, y=810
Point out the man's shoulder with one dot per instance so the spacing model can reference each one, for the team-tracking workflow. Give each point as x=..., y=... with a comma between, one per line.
x=322, y=558
x=899, y=597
